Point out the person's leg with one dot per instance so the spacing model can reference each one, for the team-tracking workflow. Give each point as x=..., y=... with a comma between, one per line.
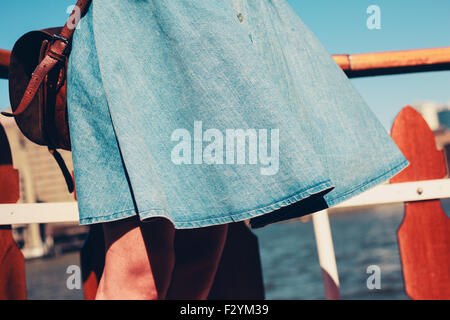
x=197, y=256
x=139, y=259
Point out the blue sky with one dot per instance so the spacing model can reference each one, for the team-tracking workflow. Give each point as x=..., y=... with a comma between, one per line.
x=339, y=24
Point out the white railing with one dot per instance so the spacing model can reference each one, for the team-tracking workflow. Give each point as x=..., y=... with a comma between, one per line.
x=27, y=213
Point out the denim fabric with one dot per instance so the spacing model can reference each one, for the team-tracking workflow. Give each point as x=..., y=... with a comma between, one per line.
x=141, y=70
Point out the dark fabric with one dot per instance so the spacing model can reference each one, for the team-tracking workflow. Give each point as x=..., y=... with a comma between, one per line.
x=5, y=152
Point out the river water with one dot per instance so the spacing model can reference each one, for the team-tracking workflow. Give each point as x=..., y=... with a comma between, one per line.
x=362, y=238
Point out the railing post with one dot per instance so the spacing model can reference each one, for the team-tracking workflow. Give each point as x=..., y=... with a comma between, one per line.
x=5, y=56
x=12, y=264
x=327, y=258
x=33, y=246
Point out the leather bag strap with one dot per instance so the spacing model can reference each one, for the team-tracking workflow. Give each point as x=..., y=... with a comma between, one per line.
x=57, y=53
x=62, y=165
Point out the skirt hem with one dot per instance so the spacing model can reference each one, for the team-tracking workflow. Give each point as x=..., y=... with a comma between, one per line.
x=262, y=221
x=369, y=184
x=161, y=213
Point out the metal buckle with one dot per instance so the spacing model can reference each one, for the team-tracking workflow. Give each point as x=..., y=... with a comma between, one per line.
x=57, y=37
x=60, y=38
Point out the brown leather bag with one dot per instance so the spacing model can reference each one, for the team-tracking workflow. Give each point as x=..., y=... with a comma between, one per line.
x=37, y=86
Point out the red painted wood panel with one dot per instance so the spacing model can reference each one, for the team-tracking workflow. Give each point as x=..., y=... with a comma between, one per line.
x=424, y=234
x=12, y=264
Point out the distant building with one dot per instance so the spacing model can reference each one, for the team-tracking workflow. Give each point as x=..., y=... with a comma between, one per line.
x=438, y=118
x=41, y=178
x=444, y=118
x=436, y=115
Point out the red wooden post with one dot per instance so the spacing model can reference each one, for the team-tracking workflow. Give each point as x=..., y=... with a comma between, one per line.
x=12, y=264
x=5, y=57
x=424, y=234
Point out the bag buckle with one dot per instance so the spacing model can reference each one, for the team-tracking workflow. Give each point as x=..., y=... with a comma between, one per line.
x=56, y=37
x=60, y=57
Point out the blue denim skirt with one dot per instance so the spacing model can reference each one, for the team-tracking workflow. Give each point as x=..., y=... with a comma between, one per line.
x=210, y=112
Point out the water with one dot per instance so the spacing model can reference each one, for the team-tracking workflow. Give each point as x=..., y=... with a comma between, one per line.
x=46, y=278
x=361, y=239
x=290, y=265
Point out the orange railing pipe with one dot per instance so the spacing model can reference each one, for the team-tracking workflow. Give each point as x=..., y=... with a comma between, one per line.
x=394, y=62
x=358, y=65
